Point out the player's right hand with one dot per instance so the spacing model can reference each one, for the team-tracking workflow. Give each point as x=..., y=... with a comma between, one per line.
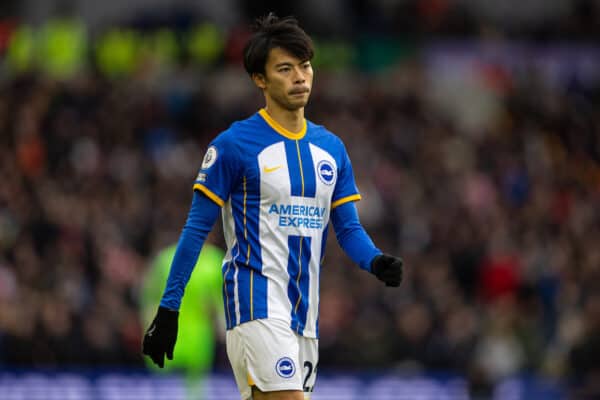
x=160, y=338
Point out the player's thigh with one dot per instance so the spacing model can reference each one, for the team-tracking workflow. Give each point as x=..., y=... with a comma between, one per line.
x=265, y=354
x=277, y=395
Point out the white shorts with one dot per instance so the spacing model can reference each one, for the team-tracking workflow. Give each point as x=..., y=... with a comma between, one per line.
x=267, y=354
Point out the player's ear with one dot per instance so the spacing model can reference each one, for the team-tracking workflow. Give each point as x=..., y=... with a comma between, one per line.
x=259, y=80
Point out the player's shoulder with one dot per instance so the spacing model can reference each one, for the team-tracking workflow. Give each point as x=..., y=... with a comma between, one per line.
x=237, y=131
x=324, y=137
x=253, y=122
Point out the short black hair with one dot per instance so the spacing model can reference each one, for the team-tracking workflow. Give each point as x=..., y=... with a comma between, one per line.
x=271, y=32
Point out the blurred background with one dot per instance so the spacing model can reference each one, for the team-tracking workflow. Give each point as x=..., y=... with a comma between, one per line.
x=474, y=131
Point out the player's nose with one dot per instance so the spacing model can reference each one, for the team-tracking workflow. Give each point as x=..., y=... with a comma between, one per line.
x=299, y=76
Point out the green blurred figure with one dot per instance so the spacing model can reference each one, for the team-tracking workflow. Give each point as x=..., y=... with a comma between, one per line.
x=58, y=49
x=201, y=311
x=62, y=47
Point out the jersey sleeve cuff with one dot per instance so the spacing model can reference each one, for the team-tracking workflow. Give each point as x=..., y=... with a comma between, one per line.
x=209, y=194
x=339, y=202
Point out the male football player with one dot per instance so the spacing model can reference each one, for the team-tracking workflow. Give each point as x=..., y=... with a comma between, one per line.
x=279, y=180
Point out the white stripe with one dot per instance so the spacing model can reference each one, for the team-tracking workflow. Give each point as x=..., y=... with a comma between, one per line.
x=229, y=234
x=228, y=230
x=232, y=243
x=310, y=330
x=236, y=289
x=275, y=187
x=323, y=196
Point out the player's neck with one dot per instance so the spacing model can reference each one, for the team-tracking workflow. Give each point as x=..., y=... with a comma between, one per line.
x=293, y=121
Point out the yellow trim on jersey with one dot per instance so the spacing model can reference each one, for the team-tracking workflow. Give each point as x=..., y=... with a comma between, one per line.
x=209, y=194
x=280, y=129
x=251, y=381
x=346, y=199
x=300, y=164
x=245, y=225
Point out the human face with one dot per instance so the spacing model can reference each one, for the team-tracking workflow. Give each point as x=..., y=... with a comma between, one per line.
x=287, y=80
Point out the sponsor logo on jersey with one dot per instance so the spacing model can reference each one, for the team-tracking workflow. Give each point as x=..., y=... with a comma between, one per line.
x=285, y=367
x=326, y=172
x=209, y=158
x=271, y=169
x=201, y=177
x=298, y=216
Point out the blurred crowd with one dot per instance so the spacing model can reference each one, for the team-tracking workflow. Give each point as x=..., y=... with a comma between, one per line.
x=538, y=19
x=498, y=220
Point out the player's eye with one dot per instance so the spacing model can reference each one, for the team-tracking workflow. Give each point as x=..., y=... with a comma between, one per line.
x=306, y=65
x=284, y=69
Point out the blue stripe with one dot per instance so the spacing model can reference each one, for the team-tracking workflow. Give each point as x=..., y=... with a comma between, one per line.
x=308, y=170
x=300, y=178
x=260, y=296
x=239, y=259
x=298, y=286
x=293, y=269
x=291, y=153
x=237, y=263
x=259, y=282
x=304, y=283
x=228, y=290
x=251, y=285
x=244, y=292
x=237, y=204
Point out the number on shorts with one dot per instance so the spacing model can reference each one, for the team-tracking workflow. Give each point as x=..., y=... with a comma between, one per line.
x=309, y=365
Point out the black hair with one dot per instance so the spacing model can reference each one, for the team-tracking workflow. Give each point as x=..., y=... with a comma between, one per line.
x=271, y=32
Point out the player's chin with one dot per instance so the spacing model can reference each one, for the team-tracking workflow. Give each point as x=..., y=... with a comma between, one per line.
x=298, y=102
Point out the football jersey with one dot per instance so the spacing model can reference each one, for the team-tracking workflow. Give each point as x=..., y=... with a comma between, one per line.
x=276, y=189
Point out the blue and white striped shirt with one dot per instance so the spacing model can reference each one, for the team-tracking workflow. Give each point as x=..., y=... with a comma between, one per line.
x=277, y=190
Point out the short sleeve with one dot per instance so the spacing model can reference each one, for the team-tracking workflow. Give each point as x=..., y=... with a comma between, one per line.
x=345, y=188
x=219, y=170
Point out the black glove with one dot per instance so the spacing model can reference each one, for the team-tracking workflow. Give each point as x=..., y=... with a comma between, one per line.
x=387, y=269
x=161, y=336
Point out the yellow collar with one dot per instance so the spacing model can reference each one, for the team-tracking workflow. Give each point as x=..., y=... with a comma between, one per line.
x=280, y=129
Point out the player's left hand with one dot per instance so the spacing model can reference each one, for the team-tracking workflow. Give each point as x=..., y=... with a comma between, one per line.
x=388, y=269
x=161, y=336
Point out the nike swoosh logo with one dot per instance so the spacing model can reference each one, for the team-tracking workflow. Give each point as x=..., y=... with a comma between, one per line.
x=271, y=169
x=151, y=331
